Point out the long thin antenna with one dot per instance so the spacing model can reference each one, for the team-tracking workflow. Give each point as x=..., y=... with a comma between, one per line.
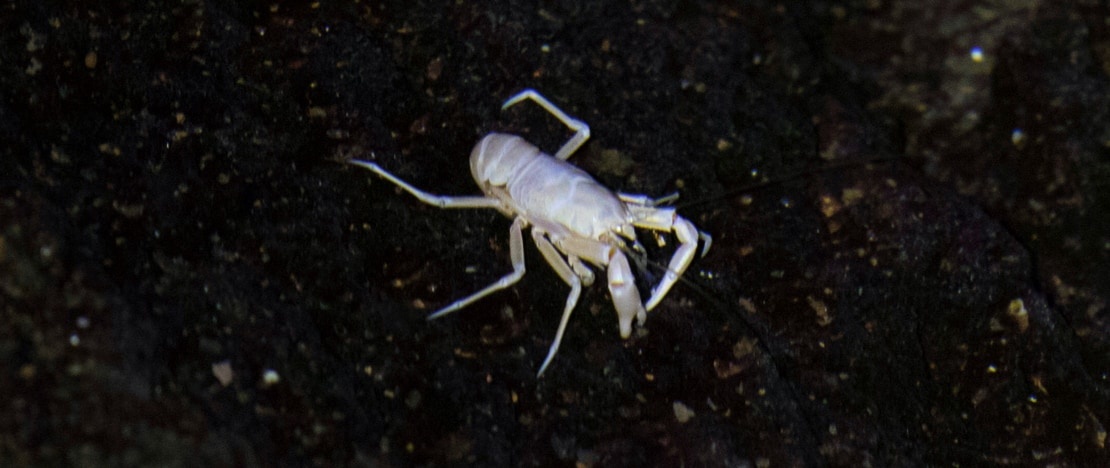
x=788, y=178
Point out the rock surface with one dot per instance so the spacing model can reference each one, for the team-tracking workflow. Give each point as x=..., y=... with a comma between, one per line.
x=908, y=205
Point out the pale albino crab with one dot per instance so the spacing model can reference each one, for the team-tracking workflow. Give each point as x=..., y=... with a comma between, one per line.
x=574, y=219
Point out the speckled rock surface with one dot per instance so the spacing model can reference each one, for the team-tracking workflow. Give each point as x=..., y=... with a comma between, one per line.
x=908, y=205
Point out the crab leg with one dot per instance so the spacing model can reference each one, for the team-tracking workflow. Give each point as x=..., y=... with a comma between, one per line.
x=568, y=276
x=584, y=272
x=436, y=200
x=581, y=130
x=622, y=285
x=687, y=236
x=665, y=219
x=644, y=200
x=626, y=299
x=516, y=254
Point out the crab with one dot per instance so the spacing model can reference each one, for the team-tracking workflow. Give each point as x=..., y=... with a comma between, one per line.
x=575, y=221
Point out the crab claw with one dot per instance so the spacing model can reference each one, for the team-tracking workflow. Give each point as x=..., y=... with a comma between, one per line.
x=626, y=299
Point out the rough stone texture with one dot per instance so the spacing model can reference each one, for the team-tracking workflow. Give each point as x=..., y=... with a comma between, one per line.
x=910, y=263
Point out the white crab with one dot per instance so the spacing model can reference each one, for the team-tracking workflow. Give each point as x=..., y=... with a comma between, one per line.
x=574, y=219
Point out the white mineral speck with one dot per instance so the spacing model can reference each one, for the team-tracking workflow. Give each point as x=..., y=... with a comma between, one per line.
x=270, y=377
x=682, y=412
x=976, y=54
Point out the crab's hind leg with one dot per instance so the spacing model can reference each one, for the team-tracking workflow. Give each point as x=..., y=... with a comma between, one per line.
x=441, y=201
x=581, y=130
x=516, y=253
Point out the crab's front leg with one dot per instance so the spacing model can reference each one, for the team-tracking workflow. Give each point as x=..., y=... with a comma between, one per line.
x=626, y=298
x=622, y=285
x=665, y=219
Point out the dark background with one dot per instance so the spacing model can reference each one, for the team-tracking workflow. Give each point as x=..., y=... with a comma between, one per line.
x=910, y=264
